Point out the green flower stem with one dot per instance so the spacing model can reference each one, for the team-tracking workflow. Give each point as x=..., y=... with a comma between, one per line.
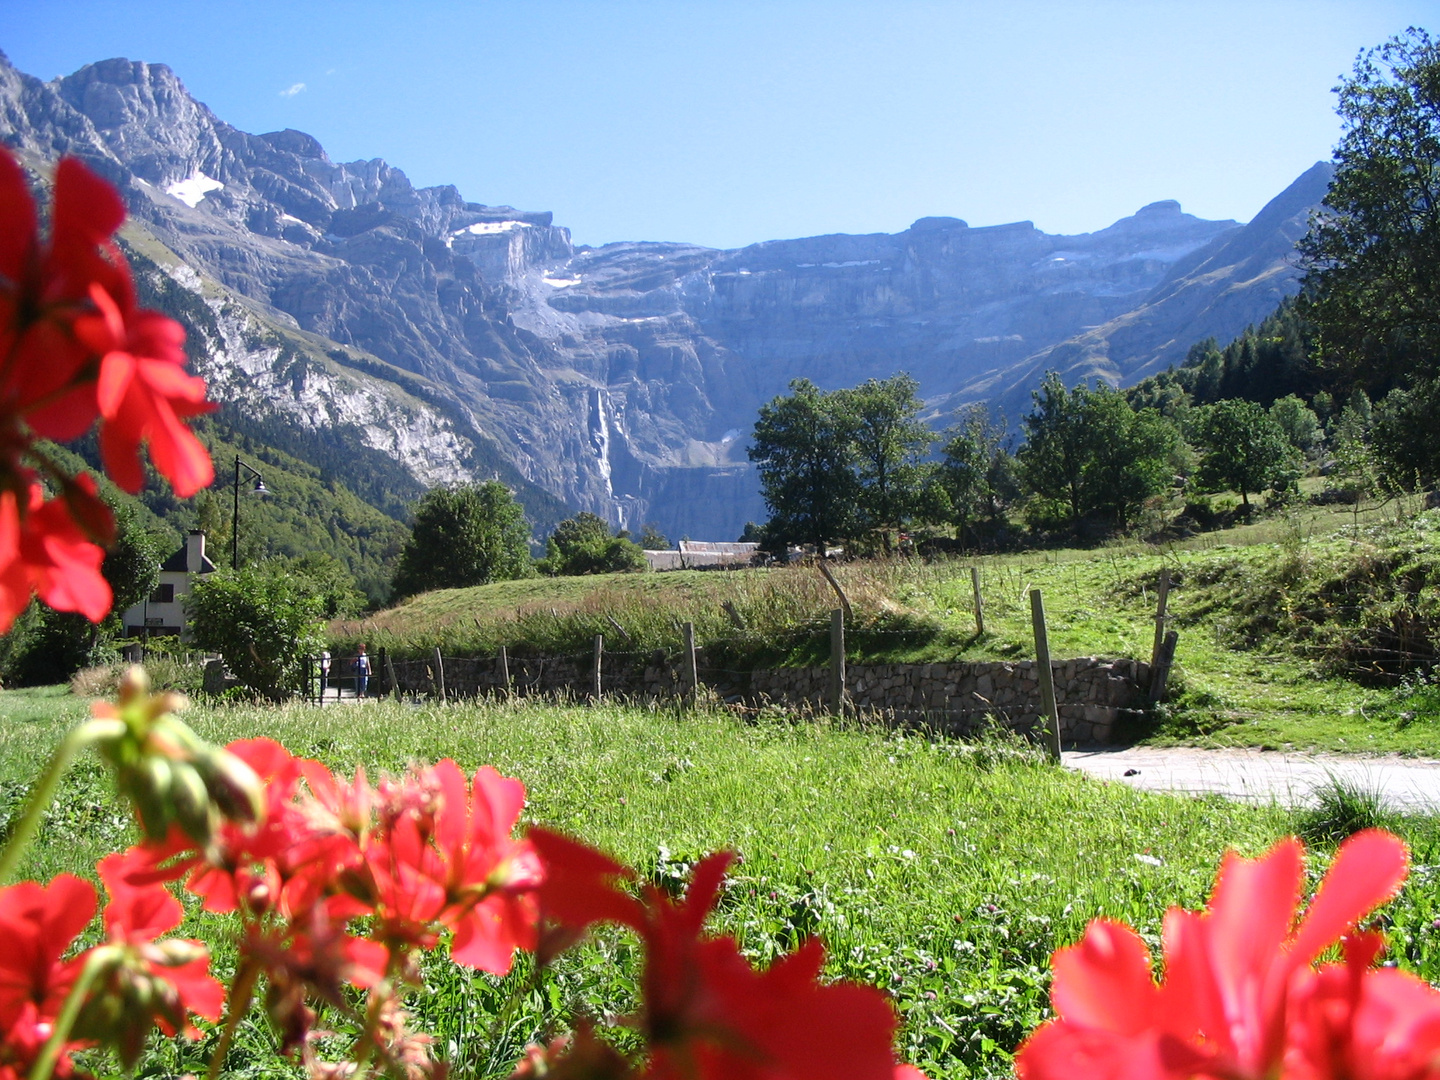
x=50, y=1054
x=44, y=791
x=240, y=994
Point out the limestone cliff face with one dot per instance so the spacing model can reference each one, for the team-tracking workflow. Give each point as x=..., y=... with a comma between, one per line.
x=622, y=379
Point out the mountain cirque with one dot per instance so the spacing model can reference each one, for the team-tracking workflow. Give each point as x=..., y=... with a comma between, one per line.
x=623, y=379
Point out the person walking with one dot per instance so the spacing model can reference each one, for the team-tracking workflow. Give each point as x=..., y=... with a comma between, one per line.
x=362, y=672
x=324, y=673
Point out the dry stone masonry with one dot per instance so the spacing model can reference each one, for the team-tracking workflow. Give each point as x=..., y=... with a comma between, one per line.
x=1094, y=693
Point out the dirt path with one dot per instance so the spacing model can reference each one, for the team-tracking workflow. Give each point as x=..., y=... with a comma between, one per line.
x=1262, y=775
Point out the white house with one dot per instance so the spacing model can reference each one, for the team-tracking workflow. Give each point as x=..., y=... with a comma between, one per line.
x=163, y=612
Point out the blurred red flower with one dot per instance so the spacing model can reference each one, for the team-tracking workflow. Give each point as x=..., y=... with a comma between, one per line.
x=74, y=348
x=38, y=925
x=43, y=550
x=1240, y=998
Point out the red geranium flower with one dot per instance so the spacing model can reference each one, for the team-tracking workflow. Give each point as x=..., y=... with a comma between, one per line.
x=144, y=395
x=38, y=925
x=73, y=347
x=708, y=1014
x=43, y=551
x=1239, y=992
x=47, y=376
x=489, y=878
x=135, y=916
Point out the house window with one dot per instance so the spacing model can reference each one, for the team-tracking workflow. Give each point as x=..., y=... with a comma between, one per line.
x=163, y=594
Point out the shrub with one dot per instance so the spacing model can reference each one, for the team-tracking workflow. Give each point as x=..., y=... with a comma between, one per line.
x=584, y=545
x=263, y=622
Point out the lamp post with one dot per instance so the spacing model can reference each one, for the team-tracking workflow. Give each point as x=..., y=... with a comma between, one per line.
x=259, y=489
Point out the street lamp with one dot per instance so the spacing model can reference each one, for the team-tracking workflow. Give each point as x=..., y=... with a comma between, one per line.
x=259, y=489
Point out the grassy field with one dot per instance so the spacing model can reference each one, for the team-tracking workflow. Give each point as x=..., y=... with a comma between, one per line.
x=942, y=871
x=1273, y=619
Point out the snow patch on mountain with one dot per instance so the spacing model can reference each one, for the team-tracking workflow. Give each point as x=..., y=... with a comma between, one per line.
x=194, y=188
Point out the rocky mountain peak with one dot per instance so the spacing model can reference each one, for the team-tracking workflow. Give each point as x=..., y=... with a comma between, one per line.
x=290, y=141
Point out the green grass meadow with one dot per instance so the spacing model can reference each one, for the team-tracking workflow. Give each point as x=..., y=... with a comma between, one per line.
x=945, y=872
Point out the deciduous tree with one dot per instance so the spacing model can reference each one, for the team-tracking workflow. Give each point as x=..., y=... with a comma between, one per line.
x=584, y=544
x=263, y=621
x=1130, y=456
x=463, y=536
x=804, y=447
x=1058, y=445
x=1371, y=289
x=1244, y=449
x=890, y=444
x=971, y=477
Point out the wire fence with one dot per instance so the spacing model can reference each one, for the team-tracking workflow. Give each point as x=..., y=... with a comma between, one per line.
x=1387, y=642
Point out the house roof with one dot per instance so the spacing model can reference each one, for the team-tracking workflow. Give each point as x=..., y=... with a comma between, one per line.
x=178, y=563
x=718, y=547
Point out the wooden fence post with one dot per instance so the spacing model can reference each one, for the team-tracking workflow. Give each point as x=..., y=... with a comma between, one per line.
x=595, y=674
x=979, y=604
x=390, y=676
x=616, y=623
x=439, y=674
x=1163, y=593
x=837, y=661
x=735, y=619
x=1048, y=704
x=1160, y=672
x=505, y=673
x=692, y=671
x=844, y=600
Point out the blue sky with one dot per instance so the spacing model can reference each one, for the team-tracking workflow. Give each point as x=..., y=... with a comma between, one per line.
x=729, y=123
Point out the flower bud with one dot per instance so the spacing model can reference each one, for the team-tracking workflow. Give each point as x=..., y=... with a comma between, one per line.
x=177, y=952
x=191, y=803
x=235, y=789
x=147, y=784
x=258, y=896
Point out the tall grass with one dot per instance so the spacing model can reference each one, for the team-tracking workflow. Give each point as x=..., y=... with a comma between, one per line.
x=779, y=614
x=944, y=871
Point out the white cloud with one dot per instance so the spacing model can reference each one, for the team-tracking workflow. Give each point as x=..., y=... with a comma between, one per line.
x=298, y=88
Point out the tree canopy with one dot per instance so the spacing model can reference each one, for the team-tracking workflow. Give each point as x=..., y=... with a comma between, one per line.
x=263, y=621
x=1245, y=450
x=1371, y=288
x=975, y=478
x=469, y=535
x=805, y=449
x=584, y=544
x=889, y=447
x=1088, y=451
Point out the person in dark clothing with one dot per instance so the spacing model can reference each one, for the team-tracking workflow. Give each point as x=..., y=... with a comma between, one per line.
x=362, y=672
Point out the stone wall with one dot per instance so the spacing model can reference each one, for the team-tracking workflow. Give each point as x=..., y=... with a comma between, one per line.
x=1093, y=693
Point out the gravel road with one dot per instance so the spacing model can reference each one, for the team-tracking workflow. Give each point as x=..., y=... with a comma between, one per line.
x=1262, y=775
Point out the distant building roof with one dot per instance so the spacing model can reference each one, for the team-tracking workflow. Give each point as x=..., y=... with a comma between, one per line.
x=191, y=553
x=694, y=554
x=717, y=547
x=177, y=563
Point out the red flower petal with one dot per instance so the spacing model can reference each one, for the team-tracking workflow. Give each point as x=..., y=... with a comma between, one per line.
x=1368, y=870
x=1105, y=981
x=17, y=219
